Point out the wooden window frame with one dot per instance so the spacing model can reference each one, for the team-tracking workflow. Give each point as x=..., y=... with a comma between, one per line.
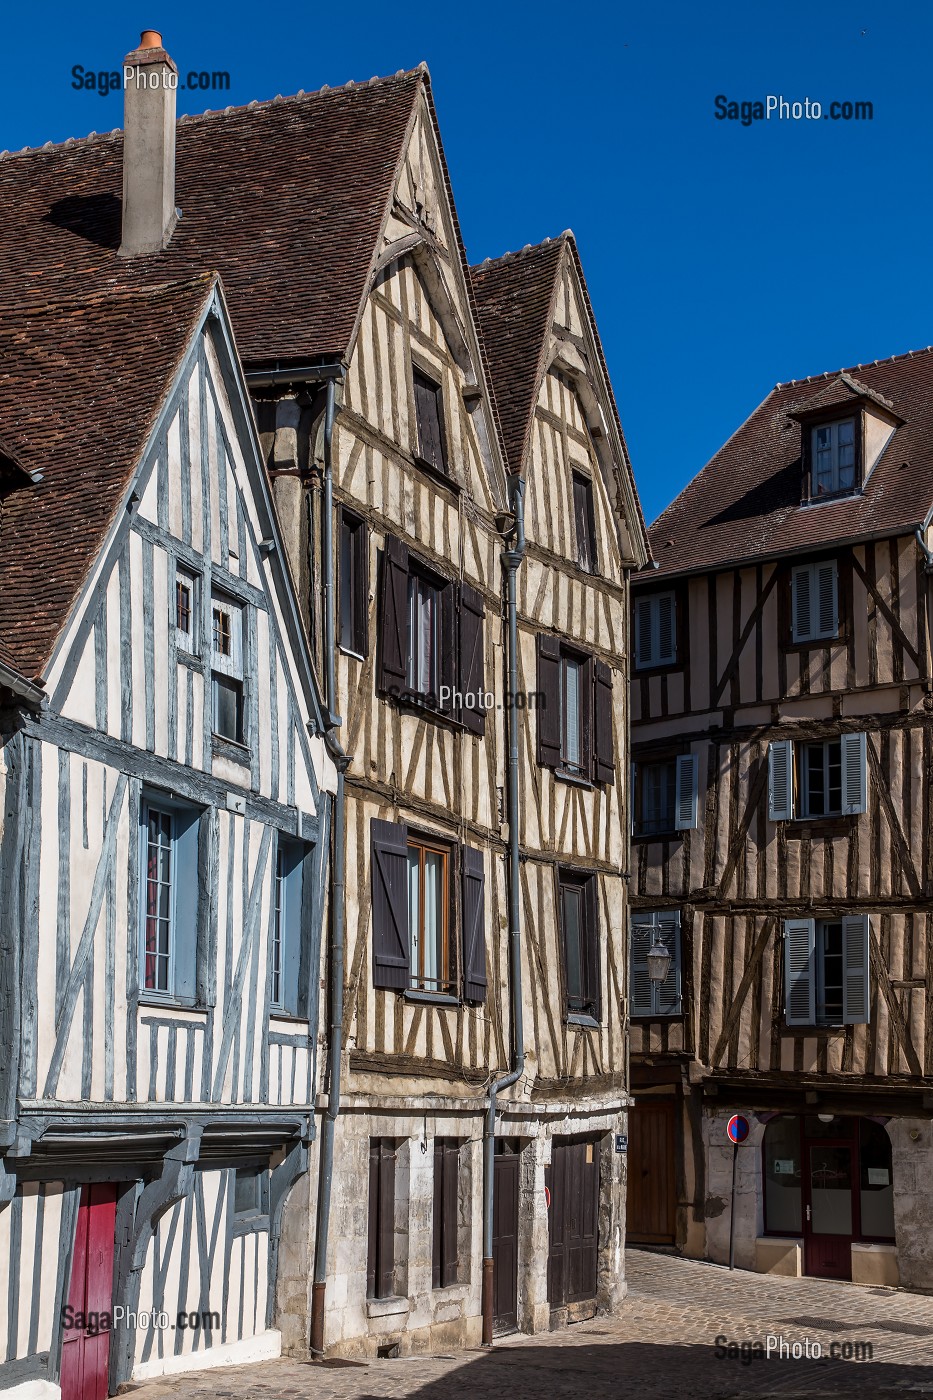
x=590, y=1009
x=808, y=427
x=802, y=779
x=354, y=527
x=447, y=981
x=582, y=772
x=229, y=668
x=188, y=641
x=435, y=388
x=640, y=764
x=588, y=524
x=288, y=993
x=785, y=592
x=184, y=826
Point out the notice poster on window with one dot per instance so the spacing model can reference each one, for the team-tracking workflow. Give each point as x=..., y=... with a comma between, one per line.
x=783, y=1166
x=879, y=1176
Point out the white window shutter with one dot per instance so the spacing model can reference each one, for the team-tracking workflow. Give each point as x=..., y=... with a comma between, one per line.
x=643, y=644
x=642, y=930
x=827, y=599
x=800, y=972
x=801, y=604
x=856, y=986
x=667, y=647
x=781, y=780
x=668, y=994
x=685, y=803
x=854, y=776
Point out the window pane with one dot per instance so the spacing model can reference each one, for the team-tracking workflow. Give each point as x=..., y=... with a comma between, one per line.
x=814, y=780
x=222, y=632
x=659, y=785
x=158, y=901
x=277, y=927
x=782, y=1176
x=433, y=921
x=183, y=607
x=572, y=715
x=830, y=1008
x=831, y=1190
x=346, y=585
x=834, y=775
x=422, y=636
x=414, y=909
x=877, y=1181
x=228, y=707
x=572, y=914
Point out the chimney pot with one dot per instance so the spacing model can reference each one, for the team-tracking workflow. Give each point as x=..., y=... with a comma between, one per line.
x=150, y=39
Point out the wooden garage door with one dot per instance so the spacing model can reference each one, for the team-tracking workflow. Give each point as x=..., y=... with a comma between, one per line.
x=651, y=1199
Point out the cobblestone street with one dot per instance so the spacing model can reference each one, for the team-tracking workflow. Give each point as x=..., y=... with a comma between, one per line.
x=661, y=1345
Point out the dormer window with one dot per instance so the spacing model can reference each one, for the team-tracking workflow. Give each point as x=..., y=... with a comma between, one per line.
x=833, y=458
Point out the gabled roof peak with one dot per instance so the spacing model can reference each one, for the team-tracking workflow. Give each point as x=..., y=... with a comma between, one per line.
x=853, y=369
x=524, y=251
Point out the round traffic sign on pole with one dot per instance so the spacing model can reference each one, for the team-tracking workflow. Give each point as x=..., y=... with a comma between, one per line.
x=737, y=1128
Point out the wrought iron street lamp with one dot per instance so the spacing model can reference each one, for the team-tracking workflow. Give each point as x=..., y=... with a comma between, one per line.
x=659, y=961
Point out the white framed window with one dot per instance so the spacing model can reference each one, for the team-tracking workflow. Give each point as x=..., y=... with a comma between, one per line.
x=833, y=455
x=186, y=611
x=655, y=630
x=649, y=998
x=169, y=900
x=814, y=601
x=423, y=637
x=227, y=668
x=827, y=971
x=428, y=916
x=665, y=795
x=814, y=779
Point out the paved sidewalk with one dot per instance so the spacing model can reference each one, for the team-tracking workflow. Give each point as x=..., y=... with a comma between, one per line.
x=661, y=1346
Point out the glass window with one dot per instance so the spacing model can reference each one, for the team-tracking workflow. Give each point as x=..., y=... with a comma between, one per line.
x=423, y=613
x=581, y=945
x=822, y=779
x=353, y=602
x=227, y=669
x=186, y=611
x=782, y=1175
x=834, y=457
x=876, y=1181
x=159, y=904
x=428, y=917
x=572, y=672
x=656, y=798
x=829, y=973
x=585, y=522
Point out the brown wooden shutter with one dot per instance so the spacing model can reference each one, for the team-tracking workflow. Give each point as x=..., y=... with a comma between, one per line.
x=603, y=755
x=471, y=679
x=437, y=1252
x=548, y=701
x=474, y=925
x=393, y=638
x=450, y=1183
x=430, y=415
x=591, y=946
x=389, y=876
x=385, y=1277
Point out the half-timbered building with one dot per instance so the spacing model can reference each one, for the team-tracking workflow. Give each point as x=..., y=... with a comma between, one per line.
x=164, y=790
x=476, y=981
x=782, y=731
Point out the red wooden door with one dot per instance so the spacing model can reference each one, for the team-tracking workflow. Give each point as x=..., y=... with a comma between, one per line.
x=828, y=1210
x=505, y=1241
x=651, y=1201
x=86, y=1349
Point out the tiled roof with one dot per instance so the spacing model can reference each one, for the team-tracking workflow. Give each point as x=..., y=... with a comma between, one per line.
x=81, y=385
x=284, y=198
x=514, y=295
x=746, y=502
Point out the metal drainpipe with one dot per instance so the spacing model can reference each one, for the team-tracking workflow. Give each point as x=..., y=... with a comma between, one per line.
x=511, y=559
x=338, y=864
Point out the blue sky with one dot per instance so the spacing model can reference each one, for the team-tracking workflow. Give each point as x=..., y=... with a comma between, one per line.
x=721, y=258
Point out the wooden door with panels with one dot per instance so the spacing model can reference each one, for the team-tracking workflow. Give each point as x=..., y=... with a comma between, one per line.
x=651, y=1198
x=506, y=1177
x=86, y=1348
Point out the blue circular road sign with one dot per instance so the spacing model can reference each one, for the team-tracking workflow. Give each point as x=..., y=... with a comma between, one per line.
x=737, y=1128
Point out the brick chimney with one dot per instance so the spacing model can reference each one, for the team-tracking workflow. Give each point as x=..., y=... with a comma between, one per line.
x=149, y=82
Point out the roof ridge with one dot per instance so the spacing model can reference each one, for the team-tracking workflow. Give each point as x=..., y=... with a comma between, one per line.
x=852, y=369
x=117, y=293
x=563, y=237
x=193, y=118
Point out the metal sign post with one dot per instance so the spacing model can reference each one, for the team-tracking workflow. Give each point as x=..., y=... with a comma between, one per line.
x=737, y=1129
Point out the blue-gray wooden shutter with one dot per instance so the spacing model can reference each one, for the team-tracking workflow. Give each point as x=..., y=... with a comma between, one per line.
x=854, y=779
x=802, y=603
x=644, y=647
x=185, y=826
x=685, y=803
x=856, y=985
x=471, y=680
x=640, y=998
x=781, y=780
x=603, y=747
x=393, y=620
x=548, y=701
x=389, y=877
x=668, y=994
x=474, y=925
x=800, y=972
x=827, y=608
x=666, y=613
